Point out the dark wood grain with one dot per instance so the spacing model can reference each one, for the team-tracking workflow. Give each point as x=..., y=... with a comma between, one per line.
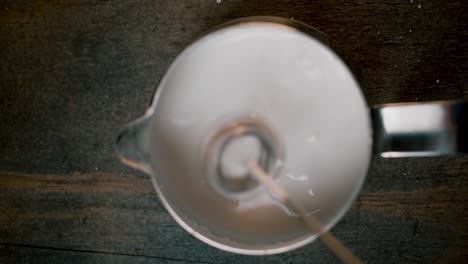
x=74, y=72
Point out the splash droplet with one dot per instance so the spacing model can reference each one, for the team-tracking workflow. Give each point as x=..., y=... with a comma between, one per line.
x=301, y=177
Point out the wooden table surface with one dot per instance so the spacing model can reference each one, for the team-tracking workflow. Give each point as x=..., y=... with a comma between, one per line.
x=74, y=72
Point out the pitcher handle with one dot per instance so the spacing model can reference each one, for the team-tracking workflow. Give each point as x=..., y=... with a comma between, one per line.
x=420, y=129
x=133, y=144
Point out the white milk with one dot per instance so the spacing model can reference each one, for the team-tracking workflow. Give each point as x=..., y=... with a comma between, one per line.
x=296, y=85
